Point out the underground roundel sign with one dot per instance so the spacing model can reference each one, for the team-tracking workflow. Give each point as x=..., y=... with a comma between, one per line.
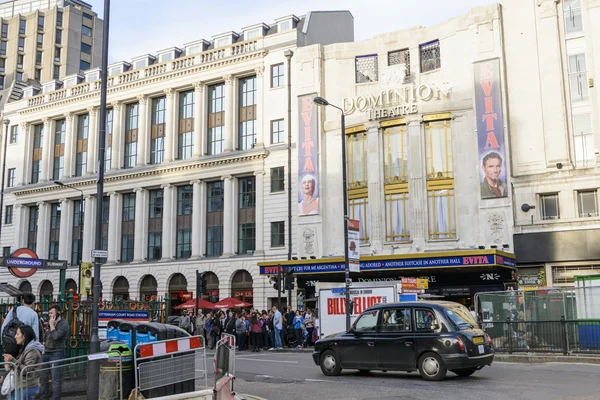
x=20, y=261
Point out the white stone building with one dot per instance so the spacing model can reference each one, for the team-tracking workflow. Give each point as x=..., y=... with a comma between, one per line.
x=196, y=160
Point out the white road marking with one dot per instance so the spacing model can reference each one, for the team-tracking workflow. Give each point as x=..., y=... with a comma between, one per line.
x=318, y=380
x=273, y=361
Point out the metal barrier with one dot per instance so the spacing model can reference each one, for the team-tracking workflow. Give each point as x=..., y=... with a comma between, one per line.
x=70, y=376
x=562, y=336
x=224, y=362
x=170, y=366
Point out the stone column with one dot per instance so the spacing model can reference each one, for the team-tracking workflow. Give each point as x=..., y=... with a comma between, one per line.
x=169, y=218
x=229, y=128
x=26, y=177
x=21, y=224
x=198, y=218
x=69, y=146
x=114, y=227
x=259, y=236
x=199, y=137
x=375, y=185
x=89, y=231
x=46, y=146
x=117, y=155
x=227, y=216
x=43, y=232
x=169, y=124
x=92, y=152
x=417, y=183
x=140, y=232
x=64, y=247
x=143, y=136
x=260, y=129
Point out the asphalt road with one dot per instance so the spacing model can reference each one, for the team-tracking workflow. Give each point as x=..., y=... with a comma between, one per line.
x=294, y=376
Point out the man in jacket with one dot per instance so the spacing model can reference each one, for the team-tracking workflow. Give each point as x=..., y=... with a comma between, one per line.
x=54, y=350
x=186, y=323
x=26, y=315
x=200, y=321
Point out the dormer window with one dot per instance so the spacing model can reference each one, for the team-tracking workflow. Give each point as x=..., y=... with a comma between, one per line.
x=255, y=31
x=222, y=42
x=118, y=68
x=225, y=39
x=143, y=61
x=285, y=26
x=169, y=54
x=92, y=75
x=253, y=34
x=286, y=23
x=196, y=47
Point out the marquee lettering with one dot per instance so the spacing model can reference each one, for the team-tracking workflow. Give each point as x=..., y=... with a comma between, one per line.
x=307, y=110
x=487, y=76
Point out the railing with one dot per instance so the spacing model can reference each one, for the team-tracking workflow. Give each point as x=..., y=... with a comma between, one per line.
x=562, y=336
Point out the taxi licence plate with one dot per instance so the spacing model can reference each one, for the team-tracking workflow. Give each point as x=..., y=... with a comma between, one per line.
x=478, y=340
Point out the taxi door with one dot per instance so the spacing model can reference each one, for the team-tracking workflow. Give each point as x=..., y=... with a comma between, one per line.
x=395, y=344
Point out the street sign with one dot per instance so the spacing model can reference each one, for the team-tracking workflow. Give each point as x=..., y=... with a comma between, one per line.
x=353, y=245
x=99, y=253
x=23, y=263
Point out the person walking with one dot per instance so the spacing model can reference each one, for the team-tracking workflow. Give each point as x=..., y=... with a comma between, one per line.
x=310, y=325
x=28, y=359
x=54, y=350
x=298, y=328
x=278, y=326
x=240, y=330
x=26, y=315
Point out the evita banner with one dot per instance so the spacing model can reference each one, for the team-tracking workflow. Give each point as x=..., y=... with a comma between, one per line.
x=490, y=129
x=308, y=157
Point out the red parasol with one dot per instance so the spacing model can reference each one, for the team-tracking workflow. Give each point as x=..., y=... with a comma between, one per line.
x=230, y=302
x=192, y=304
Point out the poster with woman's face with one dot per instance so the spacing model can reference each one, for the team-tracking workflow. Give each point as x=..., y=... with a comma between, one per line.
x=308, y=195
x=308, y=157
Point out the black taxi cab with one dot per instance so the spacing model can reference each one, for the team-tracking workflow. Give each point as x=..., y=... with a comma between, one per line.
x=432, y=337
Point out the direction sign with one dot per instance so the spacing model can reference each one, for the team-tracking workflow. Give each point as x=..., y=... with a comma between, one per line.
x=99, y=253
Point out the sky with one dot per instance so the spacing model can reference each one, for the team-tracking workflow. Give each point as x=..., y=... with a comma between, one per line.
x=140, y=27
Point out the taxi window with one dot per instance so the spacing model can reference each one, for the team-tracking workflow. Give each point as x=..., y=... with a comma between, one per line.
x=424, y=319
x=367, y=322
x=396, y=320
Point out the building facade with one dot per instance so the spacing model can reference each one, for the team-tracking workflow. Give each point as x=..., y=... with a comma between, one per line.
x=555, y=137
x=196, y=156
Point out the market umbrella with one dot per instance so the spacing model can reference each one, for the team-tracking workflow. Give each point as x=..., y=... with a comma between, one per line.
x=230, y=302
x=192, y=304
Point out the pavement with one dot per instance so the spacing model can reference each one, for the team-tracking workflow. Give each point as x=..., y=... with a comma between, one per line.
x=292, y=375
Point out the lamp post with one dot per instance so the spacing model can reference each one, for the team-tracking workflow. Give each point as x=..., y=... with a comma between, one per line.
x=6, y=123
x=80, y=241
x=322, y=102
x=288, y=54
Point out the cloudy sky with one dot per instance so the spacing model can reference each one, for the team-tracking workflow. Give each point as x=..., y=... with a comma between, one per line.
x=145, y=26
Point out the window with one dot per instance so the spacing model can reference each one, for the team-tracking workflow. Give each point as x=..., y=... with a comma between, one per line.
x=397, y=204
x=440, y=179
x=58, y=38
x=83, y=122
x=1, y=81
x=572, y=16
x=4, y=30
x=128, y=227
x=155, y=225
x=184, y=221
x=38, y=57
x=247, y=114
x=78, y=217
x=59, y=18
x=277, y=179
x=277, y=131
x=284, y=26
x=11, y=178
x=2, y=64
x=56, y=72
x=214, y=219
x=358, y=194
x=59, y=149
x=6, y=251
x=55, y=216
x=20, y=61
x=366, y=68
x=109, y=130
x=57, y=54
x=186, y=124
x=157, y=144
x=86, y=31
x=253, y=34
x=86, y=48
x=549, y=203
x=367, y=322
x=278, y=234
x=588, y=203
x=8, y=215
x=584, y=139
x=33, y=227
x=578, y=78
x=21, y=44
x=430, y=56
x=40, y=40
x=425, y=320
x=246, y=215
x=3, y=48
x=131, y=132
x=221, y=42
x=38, y=139
x=40, y=22
x=19, y=76
x=400, y=57
x=88, y=16
x=22, y=26
x=216, y=118
x=277, y=73
x=396, y=320
x=84, y=65
x=14, y=133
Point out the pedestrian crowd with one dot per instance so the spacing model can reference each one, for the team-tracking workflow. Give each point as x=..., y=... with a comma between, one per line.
x=255, y=330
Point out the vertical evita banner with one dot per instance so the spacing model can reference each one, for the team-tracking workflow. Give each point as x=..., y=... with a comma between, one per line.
x=308, y=157
x=490, y=129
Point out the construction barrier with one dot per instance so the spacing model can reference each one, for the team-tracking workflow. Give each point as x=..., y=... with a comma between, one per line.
x=224, y=367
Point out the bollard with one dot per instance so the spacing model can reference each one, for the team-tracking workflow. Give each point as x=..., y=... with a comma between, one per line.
x=563, y=324
x=510, y=335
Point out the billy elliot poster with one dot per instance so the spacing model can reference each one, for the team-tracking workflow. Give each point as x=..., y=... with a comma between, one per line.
x=308, y=157
x=490, y=129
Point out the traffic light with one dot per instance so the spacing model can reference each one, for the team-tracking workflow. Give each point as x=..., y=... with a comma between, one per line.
x=276, y=282
x=200, y=284
x=289, y=279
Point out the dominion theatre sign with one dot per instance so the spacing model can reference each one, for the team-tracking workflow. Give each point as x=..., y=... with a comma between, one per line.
x=392, y=103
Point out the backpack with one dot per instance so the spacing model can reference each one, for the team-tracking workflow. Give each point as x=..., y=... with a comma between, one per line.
x=9, y=343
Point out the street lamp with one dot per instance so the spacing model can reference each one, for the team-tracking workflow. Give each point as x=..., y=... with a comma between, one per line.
x=80, y=241
x=6, y=122
x=322, y=102
x=289, y=54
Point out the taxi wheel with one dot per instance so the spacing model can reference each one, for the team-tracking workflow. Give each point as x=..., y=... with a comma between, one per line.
x=330, y=363
x=431, y=367
x=465, y=372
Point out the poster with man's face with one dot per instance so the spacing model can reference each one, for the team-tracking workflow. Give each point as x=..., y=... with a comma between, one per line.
x=490, y=130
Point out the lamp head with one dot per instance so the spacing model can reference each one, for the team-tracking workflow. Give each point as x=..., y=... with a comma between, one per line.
x=288, y=53
x=6, y=122
x=321, y=101
x=59, y=183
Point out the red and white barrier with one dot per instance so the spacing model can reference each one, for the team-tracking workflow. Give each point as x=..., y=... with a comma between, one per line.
x=169, y=347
